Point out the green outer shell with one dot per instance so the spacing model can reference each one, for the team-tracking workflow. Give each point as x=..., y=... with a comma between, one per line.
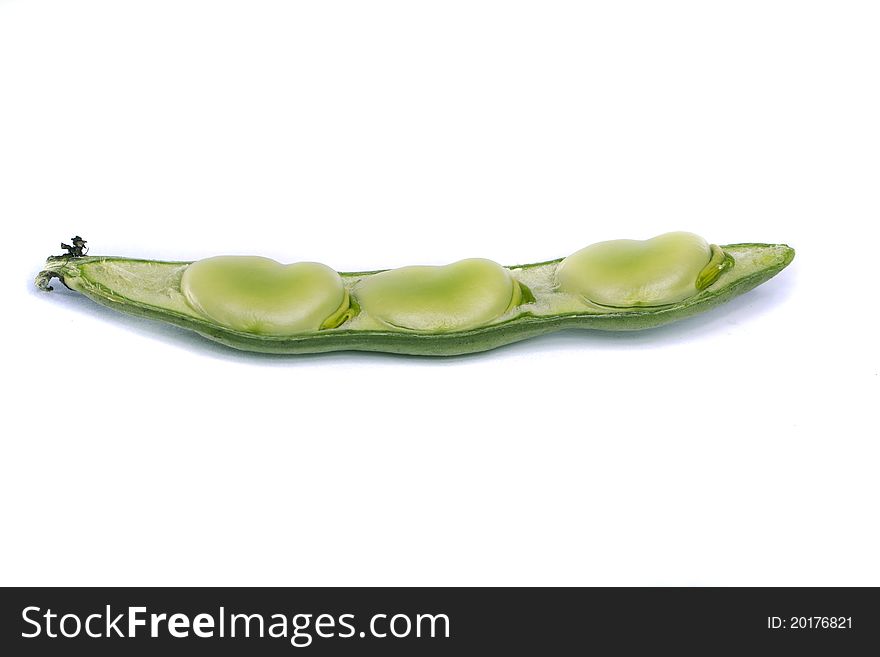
x=755, y=264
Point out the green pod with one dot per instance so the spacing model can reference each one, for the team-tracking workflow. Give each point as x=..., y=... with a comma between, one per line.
x=441, y=311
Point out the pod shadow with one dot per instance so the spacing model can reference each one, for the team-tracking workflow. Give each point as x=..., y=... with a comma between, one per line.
x=740, y=310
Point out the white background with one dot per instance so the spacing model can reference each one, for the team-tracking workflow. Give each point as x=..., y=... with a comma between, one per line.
x=737, y=448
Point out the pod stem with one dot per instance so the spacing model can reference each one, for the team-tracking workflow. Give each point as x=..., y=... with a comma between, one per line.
x=56, y=265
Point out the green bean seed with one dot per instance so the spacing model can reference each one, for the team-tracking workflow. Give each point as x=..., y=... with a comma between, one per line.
x=261, y=296
x=633, y=273
x=454, y=297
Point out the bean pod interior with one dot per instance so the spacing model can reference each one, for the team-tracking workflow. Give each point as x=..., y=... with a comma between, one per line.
x=260, y=296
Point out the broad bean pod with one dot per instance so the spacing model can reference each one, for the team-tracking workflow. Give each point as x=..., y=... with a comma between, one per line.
x=257, y=304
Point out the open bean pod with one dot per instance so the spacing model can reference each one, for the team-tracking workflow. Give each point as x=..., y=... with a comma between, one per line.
x=257, y=304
